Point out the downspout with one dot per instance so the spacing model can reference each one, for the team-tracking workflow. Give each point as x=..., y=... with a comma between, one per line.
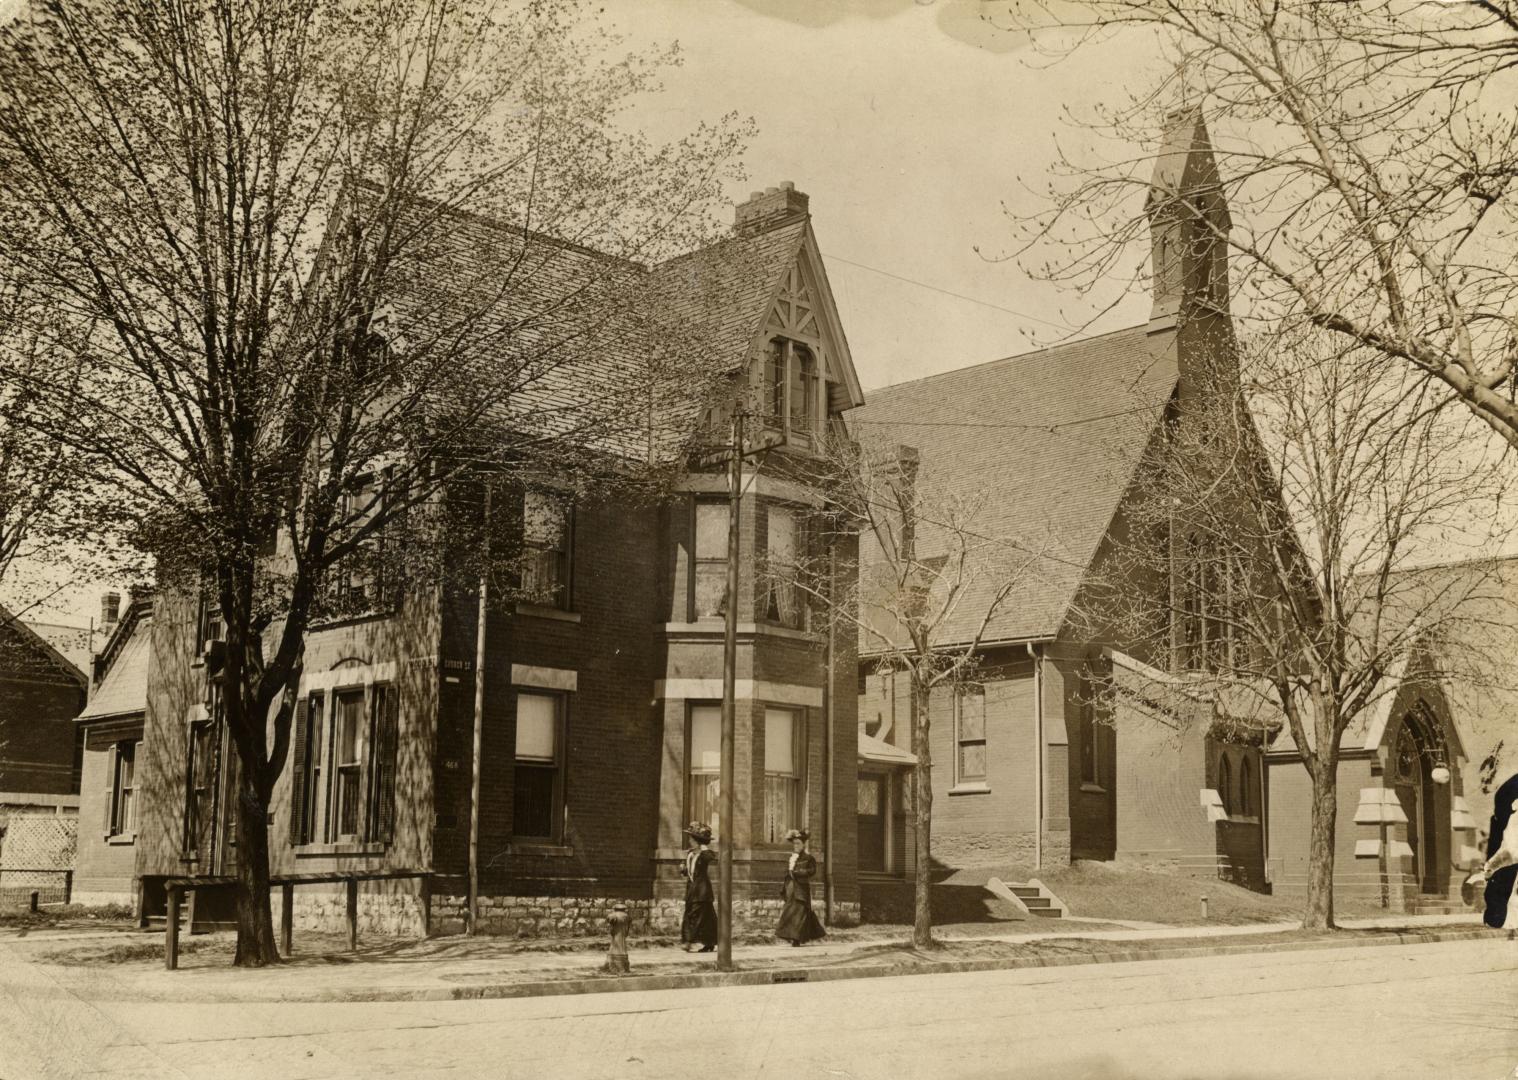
x=471, y=911
x=828, y=750
x=1038, y=770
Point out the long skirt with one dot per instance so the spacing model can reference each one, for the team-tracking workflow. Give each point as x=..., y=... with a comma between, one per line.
x=798, y=922
x=699, y=926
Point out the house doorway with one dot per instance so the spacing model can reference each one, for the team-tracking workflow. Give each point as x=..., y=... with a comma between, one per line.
x=872, y=822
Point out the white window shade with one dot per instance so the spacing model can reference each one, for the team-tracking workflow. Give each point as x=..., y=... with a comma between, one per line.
x=711, y=530
x=780, y=741
x=537, y=727
x=706, y=738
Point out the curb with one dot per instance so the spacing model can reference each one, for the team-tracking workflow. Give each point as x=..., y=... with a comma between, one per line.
x=778, y=976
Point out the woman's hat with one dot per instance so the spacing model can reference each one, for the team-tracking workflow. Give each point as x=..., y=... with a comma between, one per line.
x=700, y=830
x=797, y=834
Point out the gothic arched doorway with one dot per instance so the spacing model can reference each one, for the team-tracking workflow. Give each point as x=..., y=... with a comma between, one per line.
x=1418, y=750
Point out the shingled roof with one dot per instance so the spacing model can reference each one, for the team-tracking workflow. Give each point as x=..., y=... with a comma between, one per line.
x=1050, y=440
x=566, y=334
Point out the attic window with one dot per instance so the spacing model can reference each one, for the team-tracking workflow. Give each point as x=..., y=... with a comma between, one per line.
x=793, y=402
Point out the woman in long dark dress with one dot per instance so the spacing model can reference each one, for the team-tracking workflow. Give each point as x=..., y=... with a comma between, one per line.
x=798, y=923
x=699, y=926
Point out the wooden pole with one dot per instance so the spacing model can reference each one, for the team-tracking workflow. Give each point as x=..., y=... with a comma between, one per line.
x=287, y=918
x=171, y=929
x=729, y=706
x=471, y=909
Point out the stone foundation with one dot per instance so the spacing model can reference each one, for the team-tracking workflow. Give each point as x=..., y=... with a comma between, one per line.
x=585, y=916
x=380, y=914
x=401, y=914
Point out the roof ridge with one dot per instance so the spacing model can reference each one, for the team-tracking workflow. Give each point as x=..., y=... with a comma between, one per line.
x=1008, y=359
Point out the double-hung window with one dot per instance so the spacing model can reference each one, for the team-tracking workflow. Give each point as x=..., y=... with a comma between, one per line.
x=709, y=560
x=121, y=799
x=546, y=548
x=344, y=777
x=783, y=597
x=793, y=399
x=704, y=770
x=364, y=580
x=538, y=783
x=970, y=734
x=784, y=750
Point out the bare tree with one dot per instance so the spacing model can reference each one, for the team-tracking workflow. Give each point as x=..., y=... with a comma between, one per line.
x=923, y=570
x=310, y=262
x=1369, y=153
x=1278, y=530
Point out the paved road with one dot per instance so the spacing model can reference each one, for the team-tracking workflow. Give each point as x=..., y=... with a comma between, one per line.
x=1412, y=1012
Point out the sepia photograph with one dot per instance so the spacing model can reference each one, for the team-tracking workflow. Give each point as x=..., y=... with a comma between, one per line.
x=838, y=539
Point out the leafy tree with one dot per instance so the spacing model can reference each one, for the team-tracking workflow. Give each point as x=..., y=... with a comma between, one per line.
x=304, y=265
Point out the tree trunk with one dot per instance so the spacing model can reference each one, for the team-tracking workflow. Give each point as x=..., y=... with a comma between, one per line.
x=255, y=917
x=922, y=804
x=1320, y=860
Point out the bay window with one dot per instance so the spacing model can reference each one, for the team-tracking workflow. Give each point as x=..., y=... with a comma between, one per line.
x=784, y=747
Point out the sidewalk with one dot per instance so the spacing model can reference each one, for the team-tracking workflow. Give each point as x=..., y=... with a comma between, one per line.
x=124, y=966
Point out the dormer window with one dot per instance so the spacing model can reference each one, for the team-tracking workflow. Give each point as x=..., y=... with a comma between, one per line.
x=793, y=400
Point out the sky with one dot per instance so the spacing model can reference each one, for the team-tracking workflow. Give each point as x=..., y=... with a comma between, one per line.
x=913, y=125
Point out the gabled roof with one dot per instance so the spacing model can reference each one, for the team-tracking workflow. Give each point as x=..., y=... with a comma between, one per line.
x=73, y=642
x=40, y=650
x=123, y=691
x=578, y=330
x=1051, y=440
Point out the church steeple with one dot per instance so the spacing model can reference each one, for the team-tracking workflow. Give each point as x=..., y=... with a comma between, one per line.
x=1188, y=222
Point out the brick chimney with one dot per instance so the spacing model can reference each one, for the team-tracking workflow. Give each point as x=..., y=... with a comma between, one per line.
x=110, y=612
x=772, y=207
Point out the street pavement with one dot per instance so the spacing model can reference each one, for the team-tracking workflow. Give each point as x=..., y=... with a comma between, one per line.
x=1446, y=1010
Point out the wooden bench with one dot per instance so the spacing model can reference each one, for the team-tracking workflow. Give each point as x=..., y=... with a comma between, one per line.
x=176, y=887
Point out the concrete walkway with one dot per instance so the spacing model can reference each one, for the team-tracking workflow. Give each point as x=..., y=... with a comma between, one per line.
x=126, y=966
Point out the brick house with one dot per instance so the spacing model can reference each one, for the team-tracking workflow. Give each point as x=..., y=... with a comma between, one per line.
x=1032, y=765
x=599, y=719
x=41, y=691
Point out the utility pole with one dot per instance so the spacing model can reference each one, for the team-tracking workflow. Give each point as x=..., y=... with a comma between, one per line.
x=729, y=702
x=471, y=912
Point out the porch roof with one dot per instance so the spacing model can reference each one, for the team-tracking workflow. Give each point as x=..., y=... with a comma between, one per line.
x=880, y=752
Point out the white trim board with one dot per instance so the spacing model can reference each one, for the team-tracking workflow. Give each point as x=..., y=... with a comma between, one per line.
x=743, y=690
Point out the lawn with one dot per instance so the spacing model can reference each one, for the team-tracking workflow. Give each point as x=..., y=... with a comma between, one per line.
x=1099, y=890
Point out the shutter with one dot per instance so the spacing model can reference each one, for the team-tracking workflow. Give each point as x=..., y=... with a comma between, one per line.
x=388, y=746
x=110, y=788
x=298, y=775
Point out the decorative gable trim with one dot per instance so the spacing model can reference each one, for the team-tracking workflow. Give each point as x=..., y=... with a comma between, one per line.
x=804, y=285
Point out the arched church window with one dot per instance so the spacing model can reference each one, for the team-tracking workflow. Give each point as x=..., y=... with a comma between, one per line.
x=1246, y=798
x=1225, y=783
x=1405, y=760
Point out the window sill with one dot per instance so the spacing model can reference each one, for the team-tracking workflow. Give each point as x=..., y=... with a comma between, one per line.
x=120, y=839
x=350, y=847
x=979, y=787
x=1096, y=789
x=540, y=611
x=714, y=626
x=1241, y=819
x=332, y=622
x=543, y=849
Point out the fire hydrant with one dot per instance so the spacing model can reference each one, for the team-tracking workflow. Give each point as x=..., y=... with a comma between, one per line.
x=616, y=957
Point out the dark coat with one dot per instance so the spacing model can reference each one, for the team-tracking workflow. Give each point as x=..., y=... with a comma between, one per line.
x=797, y=920
x=1499, y=887
x=699, y=924
x=698, y=885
